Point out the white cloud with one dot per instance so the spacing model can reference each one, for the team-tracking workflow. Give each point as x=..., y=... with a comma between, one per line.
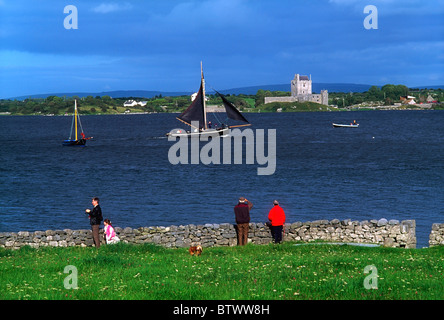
x=111, y=7
x=398, y=7
x=208, y=13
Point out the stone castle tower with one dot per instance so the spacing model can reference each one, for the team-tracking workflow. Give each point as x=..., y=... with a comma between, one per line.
x=300, y=85
x=301, y=90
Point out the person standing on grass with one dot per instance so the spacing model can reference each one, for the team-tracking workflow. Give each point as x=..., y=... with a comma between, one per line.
x=242, y=215
x=277, y=219
x=95, y=217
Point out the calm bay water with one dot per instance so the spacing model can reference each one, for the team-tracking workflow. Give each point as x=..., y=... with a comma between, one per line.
x=391, y=167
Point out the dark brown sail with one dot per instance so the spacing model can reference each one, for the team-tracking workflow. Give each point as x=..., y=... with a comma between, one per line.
x=195, y=112
x=231, y=110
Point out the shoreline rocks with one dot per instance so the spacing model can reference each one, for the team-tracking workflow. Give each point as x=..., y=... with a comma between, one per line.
x=436, y=237
x=389, y=233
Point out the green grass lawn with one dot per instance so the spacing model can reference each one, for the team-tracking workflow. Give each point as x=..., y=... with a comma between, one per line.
x=284, y=271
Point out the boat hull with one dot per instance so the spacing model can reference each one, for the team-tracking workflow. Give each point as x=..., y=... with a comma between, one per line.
x=345, y=125
x=196, y=133
x=72, y=143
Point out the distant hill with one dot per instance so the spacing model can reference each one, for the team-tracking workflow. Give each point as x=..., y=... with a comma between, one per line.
x=317, y=87
x=428, y=87
x=112, y=94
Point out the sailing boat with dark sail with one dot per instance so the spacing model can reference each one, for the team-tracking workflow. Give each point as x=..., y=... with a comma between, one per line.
x=76, y=141
x=196, y=116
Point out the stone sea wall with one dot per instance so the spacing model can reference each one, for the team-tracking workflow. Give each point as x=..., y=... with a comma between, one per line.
x=390, y=233
x=436, y=237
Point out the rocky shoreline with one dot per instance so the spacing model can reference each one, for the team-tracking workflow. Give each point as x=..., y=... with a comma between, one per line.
x=383, y=232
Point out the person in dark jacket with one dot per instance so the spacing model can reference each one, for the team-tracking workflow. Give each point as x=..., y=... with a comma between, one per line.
x=95, y=217
x=242, y=215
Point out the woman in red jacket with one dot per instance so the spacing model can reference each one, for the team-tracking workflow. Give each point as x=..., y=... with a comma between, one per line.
x=277, y=218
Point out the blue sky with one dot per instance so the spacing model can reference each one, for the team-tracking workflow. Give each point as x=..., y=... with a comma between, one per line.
x=158, y=45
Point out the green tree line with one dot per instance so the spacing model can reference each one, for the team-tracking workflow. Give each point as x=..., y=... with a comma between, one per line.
x=386, y=95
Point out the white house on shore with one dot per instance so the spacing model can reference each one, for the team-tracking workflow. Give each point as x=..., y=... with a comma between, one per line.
x=194, y=95
x=133, y=103
x=407, y=100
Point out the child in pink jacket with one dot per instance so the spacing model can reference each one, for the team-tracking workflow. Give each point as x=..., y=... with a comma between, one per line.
x=110, y=233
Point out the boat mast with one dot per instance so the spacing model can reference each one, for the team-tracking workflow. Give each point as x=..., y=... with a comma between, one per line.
x=203, y=93
x=75, y=115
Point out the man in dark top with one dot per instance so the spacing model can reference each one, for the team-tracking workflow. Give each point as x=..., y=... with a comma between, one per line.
x=242, y=215
x=95, y=217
